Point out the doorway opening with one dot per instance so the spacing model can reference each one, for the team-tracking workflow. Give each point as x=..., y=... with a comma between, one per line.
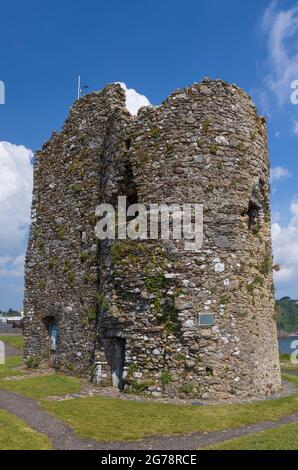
x=117, y=362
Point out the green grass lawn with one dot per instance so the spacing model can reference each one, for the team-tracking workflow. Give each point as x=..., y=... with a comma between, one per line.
x=284, y=357
x=6, y=369
x=43, y=386
x=36, y=387
x=290, y=378
x=285, y=362
x=15, y=341
x=102, y=418
x=16, y=435
x=283, y=438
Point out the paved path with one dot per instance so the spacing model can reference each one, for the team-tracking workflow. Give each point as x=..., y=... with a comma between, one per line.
x=63, y=437
x=11, y=351
x=89, y=390
x=28, y=410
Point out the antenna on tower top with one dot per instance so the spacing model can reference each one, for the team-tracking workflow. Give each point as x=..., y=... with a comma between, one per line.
x=79, y=87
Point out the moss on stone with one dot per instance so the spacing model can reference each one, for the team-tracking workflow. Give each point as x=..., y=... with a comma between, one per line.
x=91, y=313
x=155, y=282
x=71, y=278
x=155, y=132
x=256, y=229
x=41, y=284
x=265, y=265
x=52, y=264
x=77, y=188
x=41, y=247
x=186, y=388
x=169, y=318
x=206, y=126
x=224, y=299
x=210, y=188
x=84, y=256
x=102, y=301
x=61, y=232
x=67, y=265
x=139, y=387
x=90, y=278
x=213, y=149
x=258, y=281
x=166, y=377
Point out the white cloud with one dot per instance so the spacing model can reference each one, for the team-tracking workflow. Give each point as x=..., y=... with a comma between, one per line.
x=16, y=174
x=281, y=30
x=4, y=260
x=134, y=100
x=278, y=173
x=285, y=248
x=13, y=267
x=275, y=216
x=295, y=127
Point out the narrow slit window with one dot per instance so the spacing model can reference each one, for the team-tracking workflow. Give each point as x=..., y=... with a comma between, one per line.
x=253, y=214
x=129, y=186
x=128, y=143
x=258, y=205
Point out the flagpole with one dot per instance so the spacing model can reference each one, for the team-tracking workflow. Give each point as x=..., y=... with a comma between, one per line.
x=79, y=87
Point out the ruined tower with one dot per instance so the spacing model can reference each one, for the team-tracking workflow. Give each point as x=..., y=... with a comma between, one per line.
x=150, y=316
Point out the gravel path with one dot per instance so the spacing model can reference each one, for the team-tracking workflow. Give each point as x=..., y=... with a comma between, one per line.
x=63, y=438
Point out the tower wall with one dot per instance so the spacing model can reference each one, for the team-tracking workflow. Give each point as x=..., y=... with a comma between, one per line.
x=61, y=278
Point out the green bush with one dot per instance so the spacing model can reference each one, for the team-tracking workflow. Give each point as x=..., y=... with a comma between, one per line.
x=33, y=362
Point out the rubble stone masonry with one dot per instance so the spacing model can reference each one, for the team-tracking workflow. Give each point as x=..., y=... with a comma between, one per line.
x=128, y=312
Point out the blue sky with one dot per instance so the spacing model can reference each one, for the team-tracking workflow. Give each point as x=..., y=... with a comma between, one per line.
x=154, y=47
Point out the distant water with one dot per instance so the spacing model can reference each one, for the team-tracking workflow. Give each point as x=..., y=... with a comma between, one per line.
x=285, y=344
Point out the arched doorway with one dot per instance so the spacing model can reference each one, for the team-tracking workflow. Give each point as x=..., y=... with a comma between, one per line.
x=113, y=348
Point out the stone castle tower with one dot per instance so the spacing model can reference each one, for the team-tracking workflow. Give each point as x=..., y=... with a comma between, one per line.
x=149, y=316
